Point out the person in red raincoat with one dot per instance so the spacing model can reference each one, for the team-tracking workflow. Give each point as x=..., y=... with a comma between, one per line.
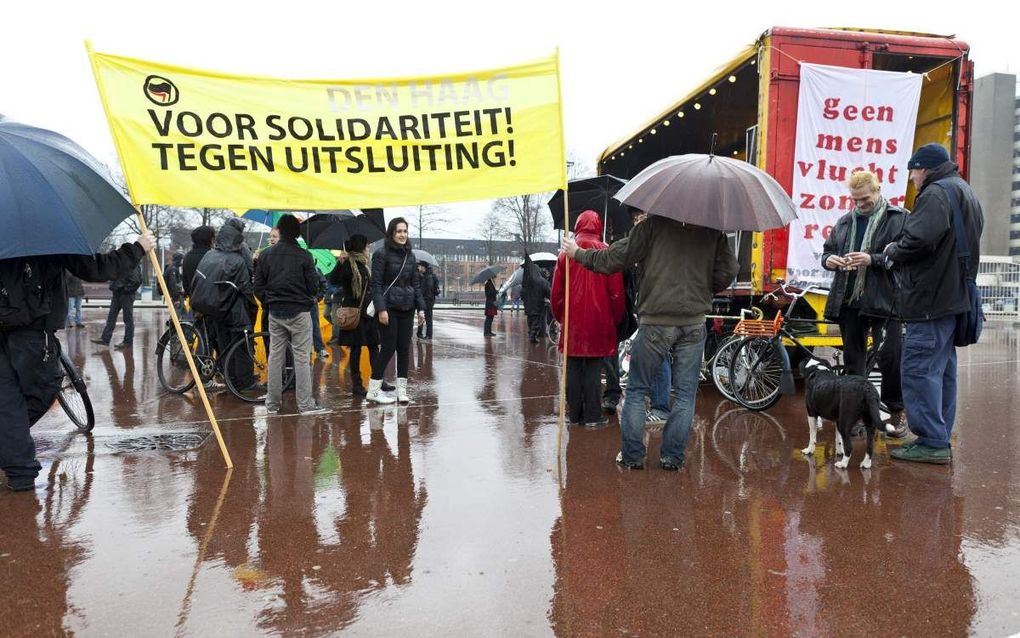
x=597, y=304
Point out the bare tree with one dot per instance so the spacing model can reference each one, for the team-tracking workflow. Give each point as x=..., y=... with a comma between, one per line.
x=430, y=217
x=526, y=217
x=492, y=228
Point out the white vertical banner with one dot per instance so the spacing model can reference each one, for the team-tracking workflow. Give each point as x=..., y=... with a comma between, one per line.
x=847, y=120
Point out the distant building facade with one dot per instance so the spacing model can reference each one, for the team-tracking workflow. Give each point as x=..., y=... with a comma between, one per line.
x=995, y=161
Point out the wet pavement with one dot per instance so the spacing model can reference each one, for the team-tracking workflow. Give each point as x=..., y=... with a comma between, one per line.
x=453, y=516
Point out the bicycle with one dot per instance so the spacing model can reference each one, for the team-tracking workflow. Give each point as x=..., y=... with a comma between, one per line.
x=74, y=396
x=760, y=361
x=250, y=352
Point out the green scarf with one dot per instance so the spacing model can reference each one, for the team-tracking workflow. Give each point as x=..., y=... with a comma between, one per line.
x=356, y=286
x=874, y=220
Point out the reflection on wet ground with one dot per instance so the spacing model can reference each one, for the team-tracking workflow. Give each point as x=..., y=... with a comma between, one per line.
x=453, y=515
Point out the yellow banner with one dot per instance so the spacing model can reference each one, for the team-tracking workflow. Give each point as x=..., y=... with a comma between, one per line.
x=201, y=139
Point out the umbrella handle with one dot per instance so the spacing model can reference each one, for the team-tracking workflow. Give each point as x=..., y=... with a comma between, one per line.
x=711, y=150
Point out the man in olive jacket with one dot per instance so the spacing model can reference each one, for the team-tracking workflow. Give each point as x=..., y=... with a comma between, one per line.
x=930, y=293
x=682, y=267
x=861, y=297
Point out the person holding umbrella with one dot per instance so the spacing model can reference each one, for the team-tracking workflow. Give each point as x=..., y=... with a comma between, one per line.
x=396, y=294
x=353, y=278
x=32, y=308
x=535, y=290
x=429, y=292
x=597, y=304
x=491, y=309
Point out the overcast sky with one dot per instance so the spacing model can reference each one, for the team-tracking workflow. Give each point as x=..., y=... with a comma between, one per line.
x=621, y=63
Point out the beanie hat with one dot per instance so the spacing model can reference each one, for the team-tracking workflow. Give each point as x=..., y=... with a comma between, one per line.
x=928, y=156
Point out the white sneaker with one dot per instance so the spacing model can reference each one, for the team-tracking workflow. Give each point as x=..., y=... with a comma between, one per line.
x=316, y=410
x=375, y=393
x=402, y=391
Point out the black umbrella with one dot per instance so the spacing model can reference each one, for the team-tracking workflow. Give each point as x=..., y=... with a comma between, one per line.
x=331, y=229
x=55, y=198
x=487, y=274
x=593, y=193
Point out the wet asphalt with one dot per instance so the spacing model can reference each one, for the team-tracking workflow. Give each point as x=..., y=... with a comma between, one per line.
x=467, y=514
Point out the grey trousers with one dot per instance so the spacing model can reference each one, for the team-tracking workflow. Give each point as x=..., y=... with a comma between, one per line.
x=296, y=333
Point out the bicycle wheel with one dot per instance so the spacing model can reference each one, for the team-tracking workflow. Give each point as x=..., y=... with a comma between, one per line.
x=172, y=365
x=74, y=397
x=720, y=367
x=756, y=372
x=246, y=368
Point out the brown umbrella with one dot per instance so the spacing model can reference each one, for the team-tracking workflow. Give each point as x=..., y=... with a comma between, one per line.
x=709, y=190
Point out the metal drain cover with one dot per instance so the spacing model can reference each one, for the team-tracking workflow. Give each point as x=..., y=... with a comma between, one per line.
x=175, y=442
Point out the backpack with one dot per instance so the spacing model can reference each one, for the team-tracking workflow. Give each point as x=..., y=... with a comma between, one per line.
x=24, y=298
x=969, y=324
x=211, y=294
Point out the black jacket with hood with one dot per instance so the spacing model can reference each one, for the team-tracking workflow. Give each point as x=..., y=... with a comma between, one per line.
x=224, y=278
x=879, y=296
x=535, y=287
x=929, y=284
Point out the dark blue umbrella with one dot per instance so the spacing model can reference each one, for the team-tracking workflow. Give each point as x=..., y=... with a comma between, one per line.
x=55, y=198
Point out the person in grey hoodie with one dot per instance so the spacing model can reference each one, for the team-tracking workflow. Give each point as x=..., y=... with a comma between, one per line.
x=683, y=267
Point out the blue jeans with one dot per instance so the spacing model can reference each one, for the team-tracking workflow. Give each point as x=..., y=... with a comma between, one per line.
x=659, y=392
x=73, y=312
x=929, y=380
x=650, y=348
x=316, y=329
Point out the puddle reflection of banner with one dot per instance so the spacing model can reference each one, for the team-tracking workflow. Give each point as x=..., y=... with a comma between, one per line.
x=193, y=138
x=847, y=120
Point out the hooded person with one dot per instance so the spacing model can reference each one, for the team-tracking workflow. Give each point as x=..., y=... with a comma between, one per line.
x=223, y=291
x=201, y=243
x=535, y=290
x=597, y=304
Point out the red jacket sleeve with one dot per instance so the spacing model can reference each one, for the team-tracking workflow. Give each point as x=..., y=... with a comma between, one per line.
x=617, y=300
x=556, y=297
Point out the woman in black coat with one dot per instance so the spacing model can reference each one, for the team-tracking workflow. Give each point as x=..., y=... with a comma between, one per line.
x=491, y=309
x=396, y=293
x=354, y=281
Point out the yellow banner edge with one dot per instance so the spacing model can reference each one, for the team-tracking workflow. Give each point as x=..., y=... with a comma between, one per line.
x=553, y=59
x=109, y=119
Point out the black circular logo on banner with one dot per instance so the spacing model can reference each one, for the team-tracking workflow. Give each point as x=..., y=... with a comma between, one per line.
x=160, y=90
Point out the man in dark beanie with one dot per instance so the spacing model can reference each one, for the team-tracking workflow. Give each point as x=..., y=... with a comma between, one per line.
x=286, y=282
x=201, y=243
x=930, y=293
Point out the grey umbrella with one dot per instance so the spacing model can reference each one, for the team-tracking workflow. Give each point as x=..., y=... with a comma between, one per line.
x=421, y=255
x=487, y=274
x=709, y=190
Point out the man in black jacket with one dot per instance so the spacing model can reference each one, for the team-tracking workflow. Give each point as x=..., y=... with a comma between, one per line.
x=287, y=283
x=429, y=292
x=930, y=293
x=124, y=289
x=29, y=351
x=861, y=297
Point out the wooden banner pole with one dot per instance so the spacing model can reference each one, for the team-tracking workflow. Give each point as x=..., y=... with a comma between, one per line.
x=184, y=345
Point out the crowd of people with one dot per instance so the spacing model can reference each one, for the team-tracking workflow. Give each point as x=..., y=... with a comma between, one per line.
x=899, y=281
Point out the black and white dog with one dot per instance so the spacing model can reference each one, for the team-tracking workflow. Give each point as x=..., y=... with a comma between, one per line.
x=844, y=400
